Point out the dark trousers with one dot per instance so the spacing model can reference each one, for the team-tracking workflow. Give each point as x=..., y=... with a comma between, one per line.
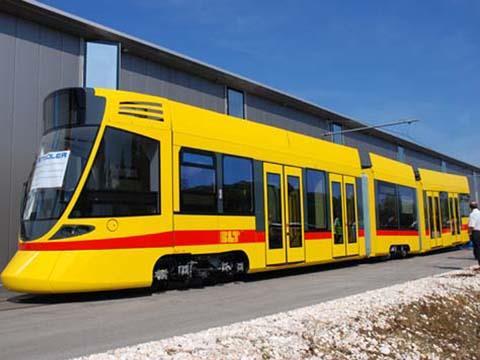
x=476, y=244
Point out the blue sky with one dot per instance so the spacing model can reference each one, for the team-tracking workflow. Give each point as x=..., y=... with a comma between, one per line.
x=375, y=61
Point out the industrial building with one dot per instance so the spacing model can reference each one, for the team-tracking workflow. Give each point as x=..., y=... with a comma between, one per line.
x=43, y=49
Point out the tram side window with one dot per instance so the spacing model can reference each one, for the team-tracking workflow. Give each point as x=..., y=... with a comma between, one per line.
x=464, y=205
x=316, y=200
x=237, y=185
x=407, y=208
x=124, y=178
x=387, y=206
x=445, y=211
x=198, y=182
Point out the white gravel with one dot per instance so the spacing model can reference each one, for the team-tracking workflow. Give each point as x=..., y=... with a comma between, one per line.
x=351, y=327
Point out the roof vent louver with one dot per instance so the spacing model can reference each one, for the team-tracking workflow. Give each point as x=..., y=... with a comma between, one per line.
x=141, y=109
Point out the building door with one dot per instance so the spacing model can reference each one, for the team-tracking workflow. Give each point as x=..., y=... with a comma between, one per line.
x=284, y=213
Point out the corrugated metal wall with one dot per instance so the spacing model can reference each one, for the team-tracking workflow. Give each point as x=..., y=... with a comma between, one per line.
x=270, y=113
x=34, y=61
x=367, y=143
x=145, y=76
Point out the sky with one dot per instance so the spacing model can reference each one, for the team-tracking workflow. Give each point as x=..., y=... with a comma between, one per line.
x=374, y=61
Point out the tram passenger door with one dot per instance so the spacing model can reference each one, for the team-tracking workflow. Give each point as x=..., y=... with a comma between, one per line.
x=284, y=213
x=294, y=214
x=458, y=217
x=343, y=215
x=454, y=220
x=432, y=219
x=351, y=215
x=438, y=220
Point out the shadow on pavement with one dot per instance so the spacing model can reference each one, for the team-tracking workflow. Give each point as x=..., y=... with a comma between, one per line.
x=80, y=297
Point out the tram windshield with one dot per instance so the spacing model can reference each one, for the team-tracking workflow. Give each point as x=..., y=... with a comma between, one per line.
x=71, y=120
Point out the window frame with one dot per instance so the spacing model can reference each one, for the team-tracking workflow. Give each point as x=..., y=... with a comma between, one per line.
x=214, y=167
x=400, y=153
x=118, y=45
x=252, y=187
x=159, y=205
x=307, y=227
x=377, y=205
x=397, y=206
x=227, y=99
x=333, y=131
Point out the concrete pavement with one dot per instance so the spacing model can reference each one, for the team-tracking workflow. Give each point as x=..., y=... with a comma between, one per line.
x=67, y=326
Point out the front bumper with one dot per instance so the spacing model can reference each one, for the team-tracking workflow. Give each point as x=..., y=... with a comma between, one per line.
x=42, y=272
x=29, y=272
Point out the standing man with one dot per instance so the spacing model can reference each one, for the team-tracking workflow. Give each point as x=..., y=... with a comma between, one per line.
x=474, y=229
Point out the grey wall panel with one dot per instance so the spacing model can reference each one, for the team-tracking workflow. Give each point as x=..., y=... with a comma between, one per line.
x=367, y=143
x=25, y=114
x=71, y=62
x=421, y=160
x=49, y=62
x=456, y=169
x=270, y=113
x=7, y=65
x=34, y=61
x=138, y=74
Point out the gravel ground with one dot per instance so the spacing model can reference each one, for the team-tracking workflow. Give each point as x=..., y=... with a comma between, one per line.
x=431, y=318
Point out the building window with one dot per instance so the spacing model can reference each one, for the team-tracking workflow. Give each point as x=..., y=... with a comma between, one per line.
x=198, y=182
x=235, y=103
x=102, y=64
x=237, y=185
x=444, y=166
x=400, y=153
x=336, y=130
x=124, y=179
x=316, y=200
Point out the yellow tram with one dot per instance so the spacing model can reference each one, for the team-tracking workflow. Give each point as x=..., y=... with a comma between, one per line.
x=131, y=190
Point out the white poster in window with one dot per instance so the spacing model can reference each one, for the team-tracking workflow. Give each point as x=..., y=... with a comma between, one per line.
x=50, y=170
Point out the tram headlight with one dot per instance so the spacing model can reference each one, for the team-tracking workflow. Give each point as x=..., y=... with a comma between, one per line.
x=67, y=231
